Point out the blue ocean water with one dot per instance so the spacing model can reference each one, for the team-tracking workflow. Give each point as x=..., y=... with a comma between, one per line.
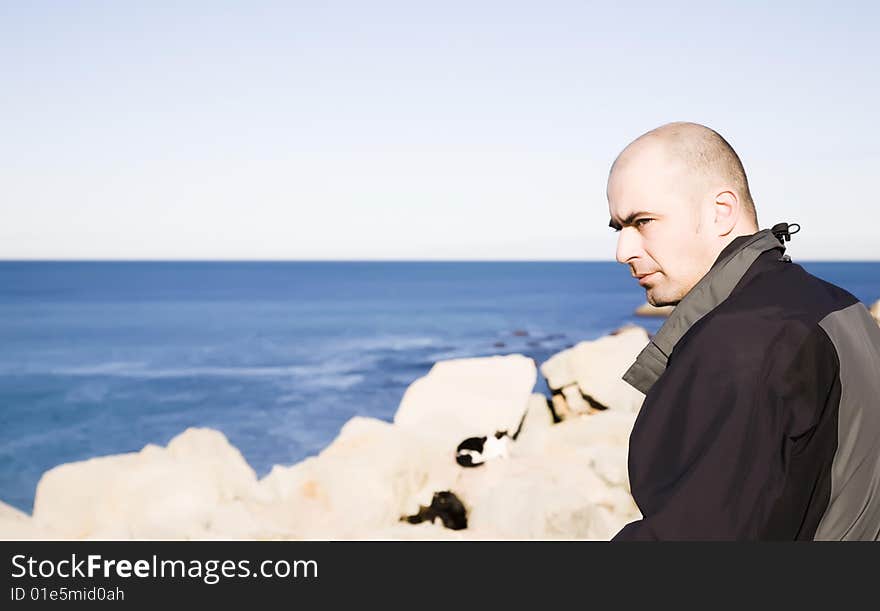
x=102, y=358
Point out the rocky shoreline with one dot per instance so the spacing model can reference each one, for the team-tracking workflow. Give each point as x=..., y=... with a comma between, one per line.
x=561, y=472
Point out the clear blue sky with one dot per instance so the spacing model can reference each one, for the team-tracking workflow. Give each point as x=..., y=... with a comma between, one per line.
x=415, y=130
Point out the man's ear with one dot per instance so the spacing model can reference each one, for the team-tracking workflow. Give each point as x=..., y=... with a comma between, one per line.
x=727, y=210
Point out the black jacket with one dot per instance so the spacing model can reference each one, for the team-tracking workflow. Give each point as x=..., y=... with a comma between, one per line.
x=762, y=411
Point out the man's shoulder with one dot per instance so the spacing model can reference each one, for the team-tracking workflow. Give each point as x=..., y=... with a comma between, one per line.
x=732, y=351
x=767, y=314
x=784, y=291
x=741, y=340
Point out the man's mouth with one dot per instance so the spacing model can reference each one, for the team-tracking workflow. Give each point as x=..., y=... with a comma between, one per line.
x=645, y=278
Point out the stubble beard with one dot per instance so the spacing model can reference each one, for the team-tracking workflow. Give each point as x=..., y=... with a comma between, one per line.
x=659, y=298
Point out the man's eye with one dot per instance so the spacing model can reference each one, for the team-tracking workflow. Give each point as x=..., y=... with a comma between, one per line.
x=642, y=222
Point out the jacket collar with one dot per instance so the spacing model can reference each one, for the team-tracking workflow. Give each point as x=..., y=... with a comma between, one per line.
x=708, y=293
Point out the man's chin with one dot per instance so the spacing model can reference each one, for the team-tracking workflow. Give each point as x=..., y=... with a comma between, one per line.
x=658, y=301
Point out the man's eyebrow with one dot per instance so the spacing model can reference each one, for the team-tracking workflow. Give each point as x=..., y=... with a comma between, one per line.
x=627, y=221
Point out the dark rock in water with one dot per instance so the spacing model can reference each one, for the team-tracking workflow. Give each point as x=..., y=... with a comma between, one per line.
x=521, y=333
x=446, y=506
x=554, y=336
x=534, y=343
x=647, y=309
x=623, y=329
x=499, y=345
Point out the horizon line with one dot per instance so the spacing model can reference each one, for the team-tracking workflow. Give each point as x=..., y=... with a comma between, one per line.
x=221, y=260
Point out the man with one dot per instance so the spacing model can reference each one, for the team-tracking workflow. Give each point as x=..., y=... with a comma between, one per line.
x=761, y=418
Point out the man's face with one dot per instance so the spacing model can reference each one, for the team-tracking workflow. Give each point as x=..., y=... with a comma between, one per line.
x=664, y=228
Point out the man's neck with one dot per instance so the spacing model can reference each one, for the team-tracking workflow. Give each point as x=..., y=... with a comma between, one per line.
x=734, y=242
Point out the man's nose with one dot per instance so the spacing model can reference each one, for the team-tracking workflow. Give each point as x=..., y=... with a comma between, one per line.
x=628, y=244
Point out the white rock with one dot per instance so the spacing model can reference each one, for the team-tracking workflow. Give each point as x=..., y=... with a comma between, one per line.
x=600, y=441
x=599, y=366
x=610, y=463
x=543, y=497
x=609, y=427
x=596, y=367
x=557, y=370
x=360, y=485
x=560, y=406
x=425, y=531
x=536, y=425
x=174, y=492
x=561, y=481
x=15, y=524
x=468, y=397
x=575, y=400
x=570, y=483
x=14, y=530
x=8, y=512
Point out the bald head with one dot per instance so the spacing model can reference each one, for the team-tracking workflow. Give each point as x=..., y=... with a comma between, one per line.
x=677, y=195
x=696, y=154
